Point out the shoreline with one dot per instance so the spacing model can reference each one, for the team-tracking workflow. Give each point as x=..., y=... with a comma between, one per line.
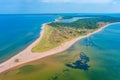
x=27, y=55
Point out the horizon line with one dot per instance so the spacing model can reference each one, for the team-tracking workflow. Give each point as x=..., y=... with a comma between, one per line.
x=50, y=13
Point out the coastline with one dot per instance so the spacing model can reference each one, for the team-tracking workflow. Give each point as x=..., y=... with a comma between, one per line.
x=27, y=56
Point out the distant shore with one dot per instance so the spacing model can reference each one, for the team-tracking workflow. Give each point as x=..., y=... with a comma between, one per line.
x=27, y=55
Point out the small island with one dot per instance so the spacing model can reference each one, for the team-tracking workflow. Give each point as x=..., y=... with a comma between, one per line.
x=58, y=32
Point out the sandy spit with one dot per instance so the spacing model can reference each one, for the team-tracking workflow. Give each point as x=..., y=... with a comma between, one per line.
x=27, y=56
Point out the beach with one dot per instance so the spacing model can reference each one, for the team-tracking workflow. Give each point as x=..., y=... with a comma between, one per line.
x=27, y=56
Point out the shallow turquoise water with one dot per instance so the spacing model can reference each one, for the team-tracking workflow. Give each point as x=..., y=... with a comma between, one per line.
x=72, y=19
x=103, y=49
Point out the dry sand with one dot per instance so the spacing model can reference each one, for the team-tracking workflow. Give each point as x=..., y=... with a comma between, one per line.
x=26, y=55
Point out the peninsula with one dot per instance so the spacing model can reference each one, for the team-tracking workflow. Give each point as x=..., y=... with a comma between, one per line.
x=58, y=36
x=65, y=29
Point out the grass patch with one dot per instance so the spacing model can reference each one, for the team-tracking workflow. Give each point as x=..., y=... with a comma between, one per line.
x=56, y=34
x=47, y=41
x=54, y=37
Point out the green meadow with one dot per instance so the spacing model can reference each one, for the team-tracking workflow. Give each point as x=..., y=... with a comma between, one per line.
x=55, y=36
x=57, y=33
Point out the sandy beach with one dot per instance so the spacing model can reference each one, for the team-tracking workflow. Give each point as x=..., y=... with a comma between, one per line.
x=27, y=56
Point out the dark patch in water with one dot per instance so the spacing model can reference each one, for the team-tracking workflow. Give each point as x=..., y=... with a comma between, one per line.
x=81, y=63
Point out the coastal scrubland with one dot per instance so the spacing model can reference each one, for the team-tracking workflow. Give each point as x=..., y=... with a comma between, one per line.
x=57, y=33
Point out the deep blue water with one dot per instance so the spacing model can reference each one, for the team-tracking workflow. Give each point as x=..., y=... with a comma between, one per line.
x=18, y=31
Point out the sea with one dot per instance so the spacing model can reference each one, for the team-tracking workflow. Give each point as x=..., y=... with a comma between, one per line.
x=19, y=31
x=103, y=51
x=103, y=48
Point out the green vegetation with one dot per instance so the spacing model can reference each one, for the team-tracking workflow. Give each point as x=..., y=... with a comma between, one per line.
x=87, y=23
x=102, y=66
x=48, y=40
x=57, y=33
x=55, y=36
